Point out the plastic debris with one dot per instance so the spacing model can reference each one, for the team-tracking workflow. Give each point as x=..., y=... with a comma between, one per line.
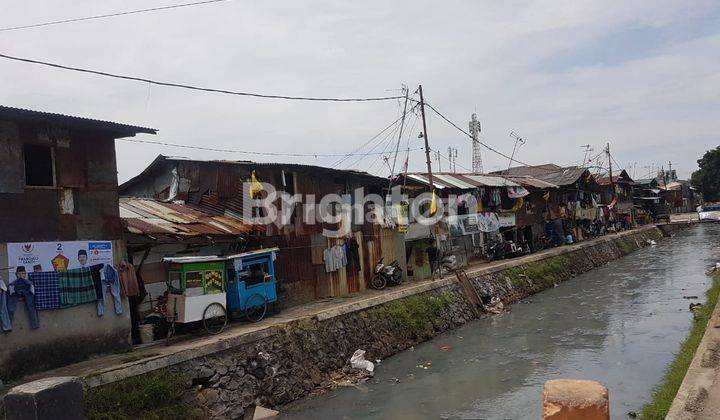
x=358, y=361
x=262, y=413
x=445, y=347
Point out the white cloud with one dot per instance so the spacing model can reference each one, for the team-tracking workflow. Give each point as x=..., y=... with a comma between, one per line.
x=468, y=55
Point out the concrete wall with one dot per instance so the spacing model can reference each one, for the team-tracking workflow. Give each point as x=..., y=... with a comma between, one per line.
x=84, y=169
x=65, y=335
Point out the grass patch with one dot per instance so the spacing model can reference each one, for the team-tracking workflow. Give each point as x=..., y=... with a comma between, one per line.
x=626, y=245
x=415, y=313
x=664, y=393
x=542, y=274
x=154, y=396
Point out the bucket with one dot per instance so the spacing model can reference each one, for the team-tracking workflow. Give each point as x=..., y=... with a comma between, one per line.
x=146, y=333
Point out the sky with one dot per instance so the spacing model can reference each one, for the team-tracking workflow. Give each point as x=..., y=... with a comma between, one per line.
x=643, y=76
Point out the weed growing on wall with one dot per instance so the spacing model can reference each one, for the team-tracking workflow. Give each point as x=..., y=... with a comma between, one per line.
x=155, y=395
x=416, y=313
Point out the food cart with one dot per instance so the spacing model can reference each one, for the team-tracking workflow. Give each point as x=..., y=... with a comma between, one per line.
x=207, y=288
x=251, y=283
x=197, y=292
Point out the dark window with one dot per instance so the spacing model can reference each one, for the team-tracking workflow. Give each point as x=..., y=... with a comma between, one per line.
x=38, y=165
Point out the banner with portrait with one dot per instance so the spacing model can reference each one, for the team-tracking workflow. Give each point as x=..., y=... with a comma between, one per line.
x=58, y=256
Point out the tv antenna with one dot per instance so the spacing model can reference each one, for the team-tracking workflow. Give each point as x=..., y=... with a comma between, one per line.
x=519, y=141
x=588, y=149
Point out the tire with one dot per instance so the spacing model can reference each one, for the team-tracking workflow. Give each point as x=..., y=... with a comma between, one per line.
x=214, y=318
x=378, y=282
x=256, y=307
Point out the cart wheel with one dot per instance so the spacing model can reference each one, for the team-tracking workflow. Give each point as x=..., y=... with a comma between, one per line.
x=214, y=318
x=255, y=307
x=378, y=282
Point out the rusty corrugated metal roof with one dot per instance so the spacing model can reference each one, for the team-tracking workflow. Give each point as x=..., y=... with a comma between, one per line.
x=463, y=181
x=146, y=216
x=529, y=181
x=70, y=121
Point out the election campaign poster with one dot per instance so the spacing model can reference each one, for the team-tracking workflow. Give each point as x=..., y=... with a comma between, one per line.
x=58, y=256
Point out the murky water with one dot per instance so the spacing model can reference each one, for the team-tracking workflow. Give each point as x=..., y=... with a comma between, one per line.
x=619, y=324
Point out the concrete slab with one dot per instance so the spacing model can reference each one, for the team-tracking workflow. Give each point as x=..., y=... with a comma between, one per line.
x=46, y=399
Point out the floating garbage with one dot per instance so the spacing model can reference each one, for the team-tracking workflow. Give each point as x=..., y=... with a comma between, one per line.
x=445, y=348
x=358, y=361
x=651, y=242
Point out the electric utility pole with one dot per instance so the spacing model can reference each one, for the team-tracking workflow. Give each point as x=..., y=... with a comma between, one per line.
x=397, y=146
x=425, y=136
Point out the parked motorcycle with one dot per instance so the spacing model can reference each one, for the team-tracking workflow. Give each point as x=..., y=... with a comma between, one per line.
x=495, y=251
x=449, y=263
x=383, y=275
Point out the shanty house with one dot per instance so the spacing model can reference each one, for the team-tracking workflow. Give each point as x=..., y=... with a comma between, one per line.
x=575, y=207
x=620, y=189
x=216, y=187
x=510, y=206
x=58, y=186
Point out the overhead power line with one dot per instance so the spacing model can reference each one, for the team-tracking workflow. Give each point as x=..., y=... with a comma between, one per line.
x=246, y=152
x=108, y=15
x=347, y=155
x=198, y=88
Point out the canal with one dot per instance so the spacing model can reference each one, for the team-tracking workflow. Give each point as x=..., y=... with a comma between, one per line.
x=619, y=324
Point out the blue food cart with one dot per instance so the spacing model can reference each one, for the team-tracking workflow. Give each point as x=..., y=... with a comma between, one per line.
x=251, y=283
x=209, y=288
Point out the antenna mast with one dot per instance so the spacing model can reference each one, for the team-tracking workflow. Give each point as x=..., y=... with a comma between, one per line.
x=474, y=125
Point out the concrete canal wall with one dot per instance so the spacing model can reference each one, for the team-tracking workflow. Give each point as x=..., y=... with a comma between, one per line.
x=284, y=362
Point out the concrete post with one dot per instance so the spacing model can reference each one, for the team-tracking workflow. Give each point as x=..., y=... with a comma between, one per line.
x=45, y=399
x=570, y=399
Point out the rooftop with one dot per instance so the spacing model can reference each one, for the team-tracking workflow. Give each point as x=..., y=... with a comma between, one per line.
x=155, y=218
x=472, y=180
x=69, y=121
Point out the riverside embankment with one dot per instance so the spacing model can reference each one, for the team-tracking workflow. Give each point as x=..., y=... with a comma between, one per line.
x=620, y=324
x=288, y=356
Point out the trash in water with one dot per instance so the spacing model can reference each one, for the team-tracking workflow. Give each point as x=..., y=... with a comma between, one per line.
x=651, y=242
x=358, y=361
x=445, y=347
x=690, y=297
x=495, y=307
x=632, y=414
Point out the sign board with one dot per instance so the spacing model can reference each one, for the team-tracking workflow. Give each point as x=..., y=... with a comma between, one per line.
x=58, y=256
x=468, y=224
x=506, y=219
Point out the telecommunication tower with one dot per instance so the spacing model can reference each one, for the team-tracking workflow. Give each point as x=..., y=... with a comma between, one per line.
x=474, y=126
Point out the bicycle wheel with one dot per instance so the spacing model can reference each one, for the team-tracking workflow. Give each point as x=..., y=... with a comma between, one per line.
x=255, y=307
x=214, y=318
